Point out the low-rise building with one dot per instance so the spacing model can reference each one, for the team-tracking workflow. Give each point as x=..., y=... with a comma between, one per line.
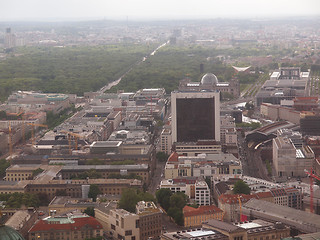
x=123, y=225
x=285, y=83
x=62, y=204
x=229, y=204
x=228, y=133
x=202, y=193
x=54, y=102
x=250, y=230
x=72, y=188
x=29, y=171
x=196, y=148
x=290, y=155
x=303, y=221
x=150, y=220
x=107, y=171
x=290, y=197
x=193, y=234
x=202, y=165
x=69, y=226
x=197, y=190
x=22, y=221
x=215, y=229
x=146, y=223
x=166, y=141
x=193, y=217
x=130, y=137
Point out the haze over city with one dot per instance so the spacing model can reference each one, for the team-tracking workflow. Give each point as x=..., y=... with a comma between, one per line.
x=59, y=10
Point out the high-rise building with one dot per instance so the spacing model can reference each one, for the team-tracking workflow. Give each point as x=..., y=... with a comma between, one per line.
x=195, y=116
x=9, y=39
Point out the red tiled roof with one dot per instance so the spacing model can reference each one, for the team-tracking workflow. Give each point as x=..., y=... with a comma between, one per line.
x=202, y=210
x=173, y=157
x=305, y=99
x=277, y=192
x=184, y=180
x=233, y=198
x=79, y=223
x=261, y=195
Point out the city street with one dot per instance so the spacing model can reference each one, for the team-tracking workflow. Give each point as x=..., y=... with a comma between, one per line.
x=156, y=178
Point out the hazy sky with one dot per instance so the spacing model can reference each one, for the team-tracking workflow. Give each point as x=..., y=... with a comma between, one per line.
x=153, y=9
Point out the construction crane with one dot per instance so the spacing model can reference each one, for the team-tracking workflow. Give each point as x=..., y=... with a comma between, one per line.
x=10, y=140
x=242, y=217
x=311, y=175
x=75, y=136
x=33, y=129
x=15, y=114
x=22, y=114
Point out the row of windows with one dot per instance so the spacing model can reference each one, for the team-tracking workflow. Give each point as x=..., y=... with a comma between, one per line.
x=266, y=238
x=151, y=233
x=68, y=175
x=22, y=174
x=17, y=179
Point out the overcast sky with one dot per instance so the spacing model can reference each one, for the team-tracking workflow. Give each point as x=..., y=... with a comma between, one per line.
x=26, y=10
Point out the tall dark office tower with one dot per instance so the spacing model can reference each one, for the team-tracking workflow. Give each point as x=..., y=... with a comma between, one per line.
x=195, y=116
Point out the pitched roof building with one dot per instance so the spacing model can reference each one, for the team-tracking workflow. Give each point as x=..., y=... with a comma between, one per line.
x=69, y=226
x=195, y=216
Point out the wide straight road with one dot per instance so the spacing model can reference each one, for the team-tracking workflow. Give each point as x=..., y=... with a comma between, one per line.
x=157, y=177
x=116, y=82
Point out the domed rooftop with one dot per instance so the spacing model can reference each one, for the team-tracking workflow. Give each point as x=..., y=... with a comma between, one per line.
x=209, y=79
x=8, y=233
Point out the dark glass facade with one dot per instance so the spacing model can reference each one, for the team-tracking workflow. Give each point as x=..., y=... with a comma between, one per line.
x=310, y=125
x=195, y=119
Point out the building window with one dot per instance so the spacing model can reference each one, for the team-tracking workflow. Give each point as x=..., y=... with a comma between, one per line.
x=128, y=232
x=113, y=227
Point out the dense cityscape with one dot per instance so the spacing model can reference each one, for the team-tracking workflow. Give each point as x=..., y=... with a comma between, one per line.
x=182, y=129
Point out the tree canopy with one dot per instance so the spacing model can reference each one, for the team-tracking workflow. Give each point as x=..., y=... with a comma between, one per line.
x=89, y=211
x=17, y=200
x=4, y=164
x=92, y=173
x=178, y=200
x=162, y=156
x=172, y=203
x=240, y=187
x=131, y=196
x=163, y=197
x=74, y=69
x=94, y=191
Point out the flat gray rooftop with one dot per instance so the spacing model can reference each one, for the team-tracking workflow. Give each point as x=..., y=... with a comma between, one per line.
x=304, y=221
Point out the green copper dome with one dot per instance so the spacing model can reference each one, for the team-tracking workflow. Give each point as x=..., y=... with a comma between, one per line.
x=8, y=233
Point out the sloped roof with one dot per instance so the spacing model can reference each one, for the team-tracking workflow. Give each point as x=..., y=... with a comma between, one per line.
x=241, y=69
x=76, y=224
x=223, y=226
x=173, y=157
x=233, y=198
x=202, y=210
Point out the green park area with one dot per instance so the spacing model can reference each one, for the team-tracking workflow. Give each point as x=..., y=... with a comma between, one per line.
x=67, y=69
x=78, y=69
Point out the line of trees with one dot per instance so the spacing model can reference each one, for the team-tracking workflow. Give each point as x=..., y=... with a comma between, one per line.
x=17, y=200
x=173, y=204
x=131, y=196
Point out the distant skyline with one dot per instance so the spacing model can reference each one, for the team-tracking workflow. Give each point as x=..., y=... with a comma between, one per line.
x=61, y=10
